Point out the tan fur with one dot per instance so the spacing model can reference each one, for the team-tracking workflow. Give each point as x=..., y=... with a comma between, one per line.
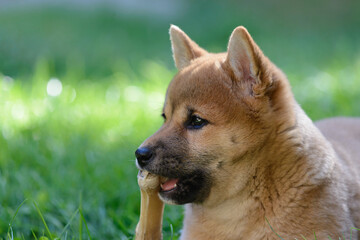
x=268, y=159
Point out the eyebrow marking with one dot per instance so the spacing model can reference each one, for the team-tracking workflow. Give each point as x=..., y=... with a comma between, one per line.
x=190, y=110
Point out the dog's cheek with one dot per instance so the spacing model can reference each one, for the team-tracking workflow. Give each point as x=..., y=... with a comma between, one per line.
x=212, y=150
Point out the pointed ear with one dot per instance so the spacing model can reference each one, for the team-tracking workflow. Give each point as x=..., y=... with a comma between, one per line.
x=246, y=60
x=183, y=48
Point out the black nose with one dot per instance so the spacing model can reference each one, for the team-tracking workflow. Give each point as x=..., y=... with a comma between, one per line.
x=143, y=156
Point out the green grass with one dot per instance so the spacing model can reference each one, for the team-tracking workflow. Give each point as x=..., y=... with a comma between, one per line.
x=73, y=155
x=59, y=150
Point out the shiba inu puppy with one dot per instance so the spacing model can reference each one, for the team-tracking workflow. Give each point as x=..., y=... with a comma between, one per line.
x=242, y=155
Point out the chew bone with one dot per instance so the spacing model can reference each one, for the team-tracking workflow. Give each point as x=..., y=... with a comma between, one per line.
x=152, y=208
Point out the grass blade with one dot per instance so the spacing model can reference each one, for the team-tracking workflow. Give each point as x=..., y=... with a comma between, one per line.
x=34, y=235
x=353, y=228
x=120, y=224
x=12, y=219
x=273, y=229
x=171, y=231
x=69, y=222
x=11, y=237
x=87, y=229
x=303, y=237
x=42, y=218
x=80, y=219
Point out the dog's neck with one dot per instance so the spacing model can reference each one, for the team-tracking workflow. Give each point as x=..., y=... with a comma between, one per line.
x=298, y=159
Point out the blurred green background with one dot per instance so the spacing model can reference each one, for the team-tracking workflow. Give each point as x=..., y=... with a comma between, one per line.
x=82, y=85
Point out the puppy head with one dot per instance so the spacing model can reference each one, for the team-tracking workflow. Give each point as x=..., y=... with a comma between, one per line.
x=215, y=113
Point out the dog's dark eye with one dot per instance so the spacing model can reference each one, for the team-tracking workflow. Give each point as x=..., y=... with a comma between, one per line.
x=163, y=116
x=196, y=122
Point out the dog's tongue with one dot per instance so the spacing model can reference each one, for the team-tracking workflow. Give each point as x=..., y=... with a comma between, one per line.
x=169, y=184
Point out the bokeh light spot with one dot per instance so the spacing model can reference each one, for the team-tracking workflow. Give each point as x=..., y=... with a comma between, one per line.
x=54, y=87
x=112, y=95
x=18, y=111
x=133, y=94
x=8, y=82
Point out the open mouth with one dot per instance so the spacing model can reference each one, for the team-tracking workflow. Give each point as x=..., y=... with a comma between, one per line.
x=168, y=184
x=192, y=187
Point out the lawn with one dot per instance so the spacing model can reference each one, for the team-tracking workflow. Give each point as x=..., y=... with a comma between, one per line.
x=80, y=89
